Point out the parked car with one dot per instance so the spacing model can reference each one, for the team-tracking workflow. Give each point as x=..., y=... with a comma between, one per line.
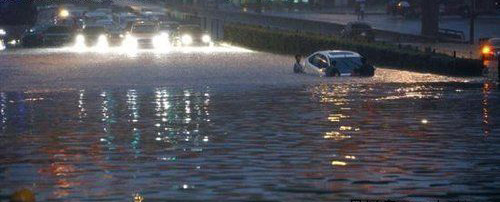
x=57, y=35
x=358, y=31
x=192, y=35
x=345, y=63
x=33, y=37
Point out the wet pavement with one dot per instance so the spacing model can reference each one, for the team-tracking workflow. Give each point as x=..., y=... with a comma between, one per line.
x=229, y=123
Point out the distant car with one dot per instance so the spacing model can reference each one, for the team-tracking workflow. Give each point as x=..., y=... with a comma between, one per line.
x=346, y=63
x=358, y=31
x=407, y=8
x=192, y=35
x=57, y=35
x=92, y=35
x=490, y=49
x=146, y=35
x=33, y=37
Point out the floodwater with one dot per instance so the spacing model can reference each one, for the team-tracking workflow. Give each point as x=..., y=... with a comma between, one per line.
x=227, y=123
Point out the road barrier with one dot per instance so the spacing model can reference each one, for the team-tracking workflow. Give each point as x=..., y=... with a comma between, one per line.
x=381, y=54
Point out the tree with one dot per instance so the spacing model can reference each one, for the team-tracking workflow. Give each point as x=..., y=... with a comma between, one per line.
x=17, y=12
x=430, y=18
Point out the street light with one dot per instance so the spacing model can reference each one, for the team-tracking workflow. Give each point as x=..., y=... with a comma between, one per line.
x=63, y=13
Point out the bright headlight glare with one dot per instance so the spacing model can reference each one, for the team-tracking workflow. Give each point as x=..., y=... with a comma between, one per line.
x=80, y=38
x=206, y=38
x=2, y=45
x=187, y=40
x=80, y=41
x=2, y=32
x=161, y=41
x=129, y=42
x=102, y=42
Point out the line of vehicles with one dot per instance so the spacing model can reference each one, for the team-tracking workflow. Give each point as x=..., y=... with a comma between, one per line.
x=104, y=28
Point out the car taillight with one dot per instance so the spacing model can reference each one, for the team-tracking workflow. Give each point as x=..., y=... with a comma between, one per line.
x=486, y=50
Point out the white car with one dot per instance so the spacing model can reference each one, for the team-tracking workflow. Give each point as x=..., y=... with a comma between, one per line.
x=341, y=62
x=146, y=35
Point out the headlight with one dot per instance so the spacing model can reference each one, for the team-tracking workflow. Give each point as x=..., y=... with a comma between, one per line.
x=102, y=41
x=129, y=42
x=206, y=39
x=2, y=32
x=187, y=40
x=80, y=41
x=2, y=46
x=161, y=41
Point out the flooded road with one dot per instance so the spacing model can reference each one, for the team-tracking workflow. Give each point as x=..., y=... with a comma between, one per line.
x=233, y=124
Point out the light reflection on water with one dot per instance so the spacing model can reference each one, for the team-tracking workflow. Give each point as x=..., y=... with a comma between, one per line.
x=322, y=142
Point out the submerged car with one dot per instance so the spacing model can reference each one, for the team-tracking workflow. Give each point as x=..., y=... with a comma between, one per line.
x=192, y=35
x=146, y=35
x=338, y=63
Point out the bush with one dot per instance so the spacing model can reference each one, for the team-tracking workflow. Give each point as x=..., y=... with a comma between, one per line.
x=380, y=54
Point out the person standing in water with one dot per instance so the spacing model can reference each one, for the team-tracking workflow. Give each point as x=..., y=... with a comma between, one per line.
x=332, y=70
x=298, y=68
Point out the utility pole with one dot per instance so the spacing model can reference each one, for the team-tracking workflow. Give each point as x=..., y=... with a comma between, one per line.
x=473, y=15
x=430, y=18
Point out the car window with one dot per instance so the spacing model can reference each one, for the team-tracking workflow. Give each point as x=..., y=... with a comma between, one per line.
x=347, y=64
x=322, y=61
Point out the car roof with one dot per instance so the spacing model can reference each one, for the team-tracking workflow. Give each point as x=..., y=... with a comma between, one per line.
x=494, y=41
x=339, y=53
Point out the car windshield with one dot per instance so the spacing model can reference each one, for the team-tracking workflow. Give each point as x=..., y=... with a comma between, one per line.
x=94, y=30
x=347, y=64
x=144, y=29
x=58, y=30
x=190, y=29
